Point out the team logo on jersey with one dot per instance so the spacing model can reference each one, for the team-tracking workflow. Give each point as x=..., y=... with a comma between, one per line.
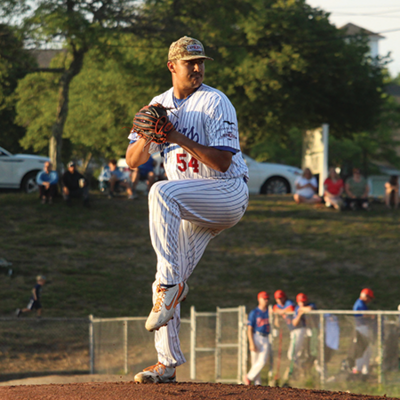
x=229, y=123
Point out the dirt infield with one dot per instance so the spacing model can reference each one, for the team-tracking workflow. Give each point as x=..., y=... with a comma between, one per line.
x=176, y=391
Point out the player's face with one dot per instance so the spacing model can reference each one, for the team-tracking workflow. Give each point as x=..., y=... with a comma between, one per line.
x=281, y=301
x=188, y=75
x=263, y=303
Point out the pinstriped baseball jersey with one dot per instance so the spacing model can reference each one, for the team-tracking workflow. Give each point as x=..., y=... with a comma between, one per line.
x=206, y=117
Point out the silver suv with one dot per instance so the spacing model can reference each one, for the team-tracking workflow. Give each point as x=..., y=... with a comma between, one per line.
x=18, y=171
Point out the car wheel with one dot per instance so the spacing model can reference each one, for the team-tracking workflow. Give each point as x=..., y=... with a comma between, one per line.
x=29, y=184
x=275, y=185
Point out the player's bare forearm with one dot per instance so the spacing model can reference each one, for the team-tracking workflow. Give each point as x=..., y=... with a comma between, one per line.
x=250, y=333
x=219, y=160
x=137, y=154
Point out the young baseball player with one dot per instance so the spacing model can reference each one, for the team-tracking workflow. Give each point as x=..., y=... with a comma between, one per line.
x=258, y=330
x=364, y=328
x=34, y=302
x=299, y=331
x=205, y=193
x=282, y=307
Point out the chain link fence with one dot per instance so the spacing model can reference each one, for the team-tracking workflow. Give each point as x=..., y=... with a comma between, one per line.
x=336, y=350
x=339, y=350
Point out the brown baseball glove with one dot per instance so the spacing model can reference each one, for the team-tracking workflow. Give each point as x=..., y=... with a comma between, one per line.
x=152, y=123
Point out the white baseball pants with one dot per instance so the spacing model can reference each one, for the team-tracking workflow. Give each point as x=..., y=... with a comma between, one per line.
x=297, y=337
x=184, y=216
x=362, y=363
x=259, y=358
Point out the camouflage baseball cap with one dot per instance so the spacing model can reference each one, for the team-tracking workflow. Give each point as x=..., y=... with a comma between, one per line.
x=186, y=48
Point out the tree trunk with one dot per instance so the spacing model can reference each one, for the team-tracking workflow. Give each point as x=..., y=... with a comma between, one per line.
x=55, y=145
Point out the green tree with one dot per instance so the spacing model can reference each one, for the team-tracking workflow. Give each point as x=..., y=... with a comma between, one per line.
x=364, y=149
x=281, y=62
x=79, y=25
x=14, y=64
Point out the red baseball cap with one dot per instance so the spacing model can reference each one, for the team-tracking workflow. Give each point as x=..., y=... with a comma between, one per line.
x=301, y=297
x=368, y=292
x=279, y=294
x=263, y=295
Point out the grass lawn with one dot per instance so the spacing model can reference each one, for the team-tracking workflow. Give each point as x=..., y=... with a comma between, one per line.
x=100, y=261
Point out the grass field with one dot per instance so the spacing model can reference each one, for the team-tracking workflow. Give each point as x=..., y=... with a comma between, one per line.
x=100, y=261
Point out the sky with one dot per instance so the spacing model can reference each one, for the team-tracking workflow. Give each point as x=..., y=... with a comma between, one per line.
x=378, y=16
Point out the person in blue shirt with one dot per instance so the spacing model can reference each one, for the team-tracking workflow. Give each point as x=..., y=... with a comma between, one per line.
x=299, y=328
x=364, y=332
x=258, y=329
x=117, y=178
x=47, y=181
x=144, y=172
x=283, y=307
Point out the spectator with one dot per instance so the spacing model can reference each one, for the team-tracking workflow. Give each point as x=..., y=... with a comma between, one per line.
x=75, y=185
x=333, y=189
x=47, y=181
x=392, y=192
x=306, y=189
x=299, y=331
x=258, y=330
x=360, y=349
x=357, y=191
x=144, y=172
x=34, y=302
x=117, y=178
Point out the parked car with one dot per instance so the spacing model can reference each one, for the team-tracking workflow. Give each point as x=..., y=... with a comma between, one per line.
x=269, y=178
x=18, y=171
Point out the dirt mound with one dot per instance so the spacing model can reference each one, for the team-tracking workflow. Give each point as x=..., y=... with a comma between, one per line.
x=176, y=391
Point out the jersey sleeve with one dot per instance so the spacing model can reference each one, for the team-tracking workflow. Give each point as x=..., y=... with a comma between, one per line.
x=222, y=125
x=252, y=319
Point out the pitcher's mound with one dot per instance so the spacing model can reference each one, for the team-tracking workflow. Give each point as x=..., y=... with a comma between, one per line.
x=175, y=391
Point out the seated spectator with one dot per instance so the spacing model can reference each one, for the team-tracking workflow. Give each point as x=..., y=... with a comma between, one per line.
x=75, y=185
x=47, y=181
x=392, y=192
x=306, y=189
x=144, y=172
x=357, y=189
x=117, y=178
x=333, y=189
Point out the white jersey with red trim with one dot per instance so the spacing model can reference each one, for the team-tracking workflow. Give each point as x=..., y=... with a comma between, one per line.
x=206, y=117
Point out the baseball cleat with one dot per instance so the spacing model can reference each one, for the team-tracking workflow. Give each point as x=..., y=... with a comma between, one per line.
x=246, y=380
x=158, y=373
x=164, y=306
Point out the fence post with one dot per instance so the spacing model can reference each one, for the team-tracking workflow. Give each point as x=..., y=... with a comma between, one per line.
x=125, y=322
x=217, y=347
x=380, y=355
x=240, y=344
x=91, y=344
x=192, y=343
x=244, y=343
x=322, y=348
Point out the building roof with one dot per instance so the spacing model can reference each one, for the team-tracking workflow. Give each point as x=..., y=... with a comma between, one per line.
x=353, y=30
x=44, y=56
